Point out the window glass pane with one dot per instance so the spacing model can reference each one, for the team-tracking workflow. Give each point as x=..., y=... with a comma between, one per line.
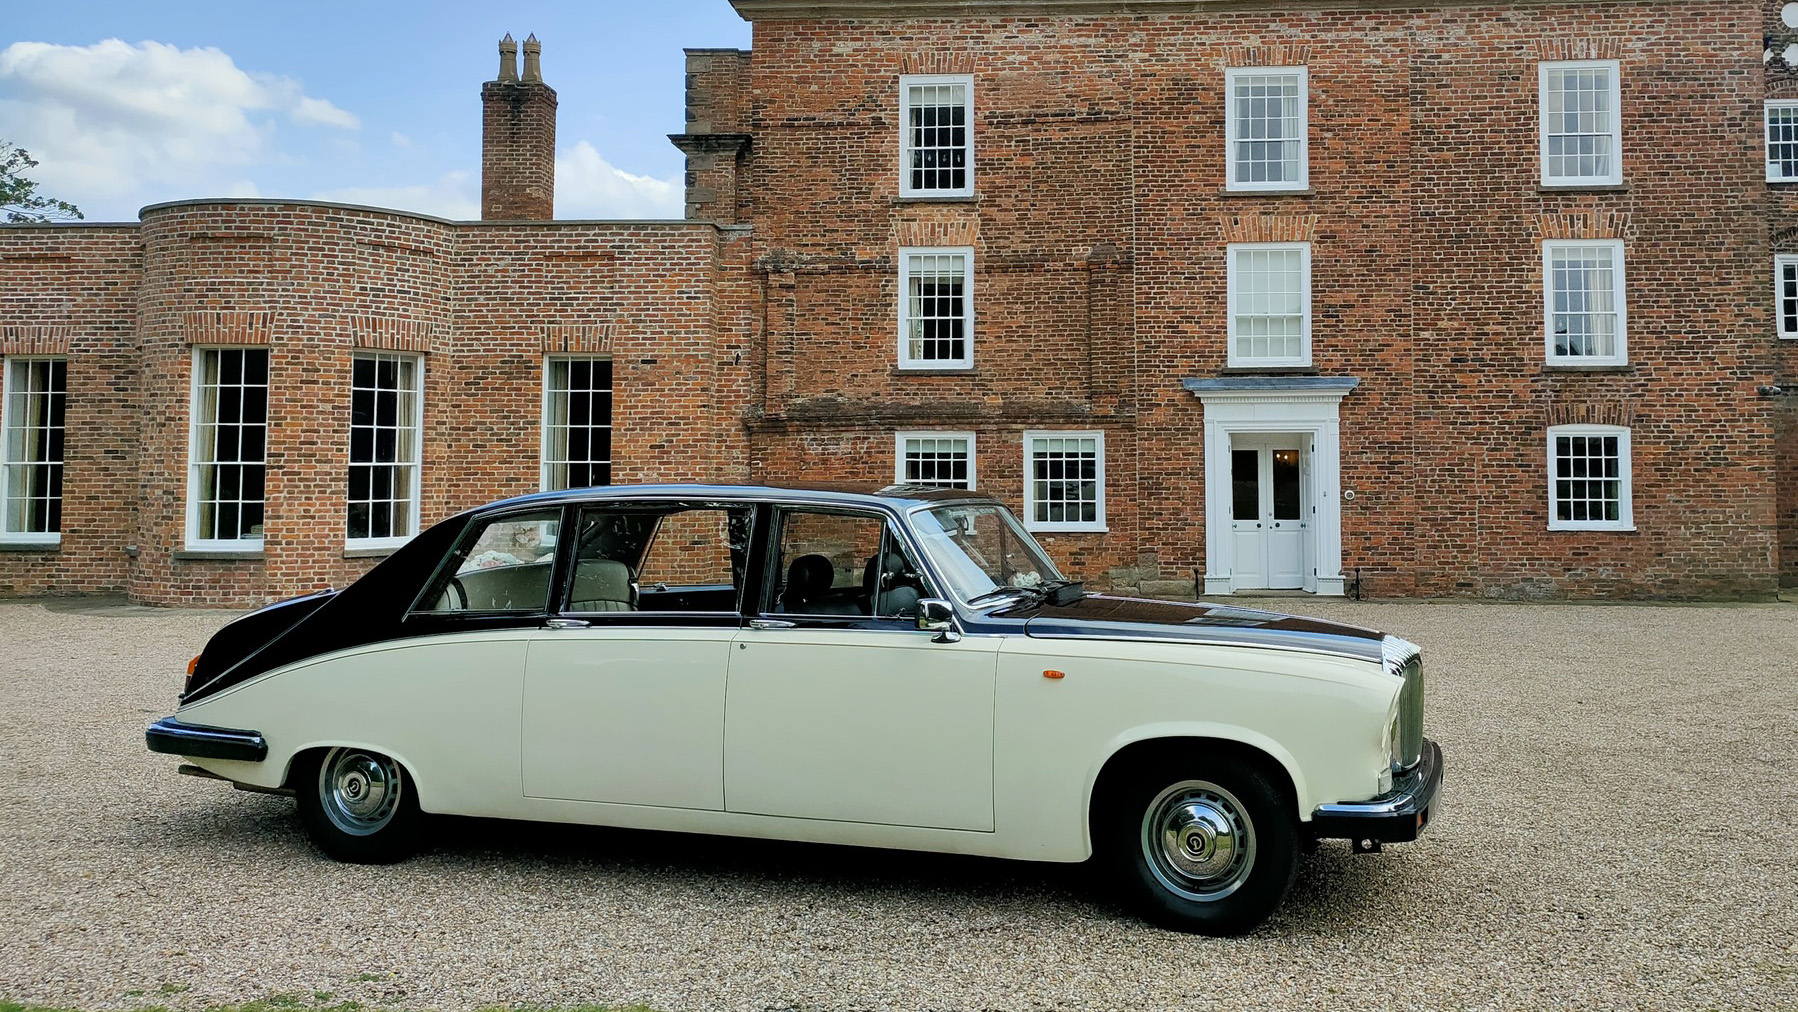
x=1587, y=485
x=31, y=445
x=1579, y=122
x=1782, y=141
x=384, y=445
x=578, y=423
x=1269, y=127
x=936, y=137
x=936, y=310
x=1286, y=484
x=1583, y=300
x=1064, y=477
x=842, y=564
x=1269, y=303
x=941, y=462
x=1245, y=485
x=501, y=565
x=230, y=443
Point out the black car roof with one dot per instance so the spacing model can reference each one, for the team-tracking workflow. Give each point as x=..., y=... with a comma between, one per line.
x=900, y=496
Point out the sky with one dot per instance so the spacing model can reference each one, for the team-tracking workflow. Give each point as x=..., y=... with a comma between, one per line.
x=126, y=103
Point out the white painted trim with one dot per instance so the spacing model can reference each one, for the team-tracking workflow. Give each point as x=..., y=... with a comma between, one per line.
x=1626, y=515
x=1773, y=167
x=906, y=253
x=418, y=466
x=1314, y=414
x=1780, y=263
x=900, y=438
x=1615, y=176
x=1029, y=517
x=44, y=538
x=193, y=541
x=1621, y=357
x=906, y=83
x=1231, y=358
x=1304, y=180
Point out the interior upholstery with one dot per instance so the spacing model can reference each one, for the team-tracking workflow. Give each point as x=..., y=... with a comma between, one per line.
x=888, y=597
x=808, y=590
x=602, y=585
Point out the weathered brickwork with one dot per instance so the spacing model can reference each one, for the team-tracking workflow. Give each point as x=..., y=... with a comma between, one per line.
x=759, y=341
x=1105, y=133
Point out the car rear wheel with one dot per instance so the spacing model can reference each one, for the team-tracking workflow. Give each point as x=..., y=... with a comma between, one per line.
x=1212, y=849
x=358, y=805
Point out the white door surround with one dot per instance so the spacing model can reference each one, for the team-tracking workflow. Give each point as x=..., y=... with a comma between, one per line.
x=1307, y=406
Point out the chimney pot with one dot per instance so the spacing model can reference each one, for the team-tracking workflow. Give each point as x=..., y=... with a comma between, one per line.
x=533, y=53
x=508, y=59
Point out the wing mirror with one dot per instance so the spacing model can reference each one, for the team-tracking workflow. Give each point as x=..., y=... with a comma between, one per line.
x=938, y=616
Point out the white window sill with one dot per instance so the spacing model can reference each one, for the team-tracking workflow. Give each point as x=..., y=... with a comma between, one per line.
x=945, y=197
x=1577, y=183
x=1580, y=362
x=1035, y=528
x=220, y=552
x=1593, y=528
x=936, y=367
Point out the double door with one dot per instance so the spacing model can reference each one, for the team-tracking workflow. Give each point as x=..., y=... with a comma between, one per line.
x=1268, y=511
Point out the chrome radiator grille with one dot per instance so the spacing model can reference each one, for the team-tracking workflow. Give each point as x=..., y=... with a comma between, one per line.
x=1405, y=660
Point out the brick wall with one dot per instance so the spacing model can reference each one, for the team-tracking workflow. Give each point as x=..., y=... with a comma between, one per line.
x=518, y=151
x=1105, y=133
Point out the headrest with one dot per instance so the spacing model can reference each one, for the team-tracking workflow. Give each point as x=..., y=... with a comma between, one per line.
x=810, y=574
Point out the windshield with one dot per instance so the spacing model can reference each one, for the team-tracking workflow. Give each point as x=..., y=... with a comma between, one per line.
x=980, y=548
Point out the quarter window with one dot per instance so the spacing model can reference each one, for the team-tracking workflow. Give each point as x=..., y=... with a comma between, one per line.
x=386, y=415
x=32, y=396
x=937, y=459
x=936, y=308
x=577, y=423
x=1064, y=481
x=1583, y=285
x=1785, y=295
x=1782, y=140
x=1270, y=304
x=1265, y=128
x=1589, y=478
x=936, y=146
x=1582, y=137
x=228, y=457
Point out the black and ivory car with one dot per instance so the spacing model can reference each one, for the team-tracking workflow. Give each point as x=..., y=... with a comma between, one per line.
x=903, y=668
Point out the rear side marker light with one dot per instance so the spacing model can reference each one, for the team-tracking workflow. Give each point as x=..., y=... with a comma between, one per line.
x=1052, y=673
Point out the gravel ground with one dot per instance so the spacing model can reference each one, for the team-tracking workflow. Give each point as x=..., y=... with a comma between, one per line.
x=1618, y=833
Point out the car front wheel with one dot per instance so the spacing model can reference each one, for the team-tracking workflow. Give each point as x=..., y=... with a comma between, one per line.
x=1212, y=851
x=358, y=805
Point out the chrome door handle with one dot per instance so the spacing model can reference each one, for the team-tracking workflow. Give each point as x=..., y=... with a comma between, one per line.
x=769, y=623
x=567, y=623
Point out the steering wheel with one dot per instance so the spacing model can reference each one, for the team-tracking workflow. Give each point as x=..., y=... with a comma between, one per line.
x=459, y=595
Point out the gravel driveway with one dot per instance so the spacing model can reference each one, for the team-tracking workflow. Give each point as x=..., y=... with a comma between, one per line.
x=1619, y=832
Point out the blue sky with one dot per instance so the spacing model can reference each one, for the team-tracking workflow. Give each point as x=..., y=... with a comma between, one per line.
x=126, y=103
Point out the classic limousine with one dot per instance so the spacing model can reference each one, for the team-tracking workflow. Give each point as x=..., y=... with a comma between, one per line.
x=904, y=668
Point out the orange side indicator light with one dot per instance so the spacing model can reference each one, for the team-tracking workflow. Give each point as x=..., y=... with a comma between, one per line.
x=1054, y=674
x=191, y=665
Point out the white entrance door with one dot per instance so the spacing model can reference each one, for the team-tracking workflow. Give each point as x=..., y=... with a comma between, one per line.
x=1267, y=511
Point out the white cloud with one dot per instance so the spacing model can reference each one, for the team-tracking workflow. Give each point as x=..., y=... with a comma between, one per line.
x=113, y=121
x=454, y=195
x=588, y=186
x=400, y=140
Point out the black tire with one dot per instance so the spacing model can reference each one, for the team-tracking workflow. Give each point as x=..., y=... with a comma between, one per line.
x=358, y=805
x=1205, y=844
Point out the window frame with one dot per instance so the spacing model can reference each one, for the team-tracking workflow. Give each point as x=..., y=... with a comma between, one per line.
x=417, y=464
x=906, y=83
x=1543, y=69
x=543, y=419
x=1234, y=360
x=1231, y=184
x=901, y=437
x=1767, y=108
x=1625, y=480
x=196, y=371
x=1098, y=523
x=1620, y=356
x=1781, y=261
x=905, y=361
x=7, y=364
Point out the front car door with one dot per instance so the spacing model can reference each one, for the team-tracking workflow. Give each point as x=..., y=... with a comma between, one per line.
x=838, y=707
x=624, y=687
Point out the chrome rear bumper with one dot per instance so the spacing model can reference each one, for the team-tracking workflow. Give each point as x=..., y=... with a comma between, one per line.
x=173, y=737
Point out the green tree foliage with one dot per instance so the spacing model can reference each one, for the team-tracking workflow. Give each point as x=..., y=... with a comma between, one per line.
x=19, y=199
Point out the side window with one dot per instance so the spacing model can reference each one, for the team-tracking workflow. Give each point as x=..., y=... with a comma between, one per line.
x=664, y=560
x=843, y=564
x=501, y=566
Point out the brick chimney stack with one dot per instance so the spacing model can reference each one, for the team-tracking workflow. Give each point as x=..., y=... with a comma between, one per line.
x=518, y=138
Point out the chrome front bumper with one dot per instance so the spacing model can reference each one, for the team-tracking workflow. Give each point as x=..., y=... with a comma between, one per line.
x=1397, y=816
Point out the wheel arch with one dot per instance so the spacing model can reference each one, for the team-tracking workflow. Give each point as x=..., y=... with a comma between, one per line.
x=1131, y=753
x=306, y=755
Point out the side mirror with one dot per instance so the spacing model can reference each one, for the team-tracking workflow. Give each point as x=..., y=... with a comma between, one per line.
x=938, y=616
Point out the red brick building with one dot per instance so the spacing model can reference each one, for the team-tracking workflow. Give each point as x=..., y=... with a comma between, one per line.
x=1464, y=299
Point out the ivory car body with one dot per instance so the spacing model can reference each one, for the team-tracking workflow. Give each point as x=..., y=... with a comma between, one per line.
x=902, y=668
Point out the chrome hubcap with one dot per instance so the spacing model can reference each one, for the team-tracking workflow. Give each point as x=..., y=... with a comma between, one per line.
x=360, y=790
x=1198, y=839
